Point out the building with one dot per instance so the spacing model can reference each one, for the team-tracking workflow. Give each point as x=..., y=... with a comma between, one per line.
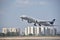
x=40, y=30
x=33, y=30
x=13, y=30
x=26, y=31
x=29, y=31
x=6, y=30
x=53, y=31
x=37, y=30
x=48, y=30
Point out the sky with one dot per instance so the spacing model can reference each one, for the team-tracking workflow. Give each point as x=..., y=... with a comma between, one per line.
x=11, y=10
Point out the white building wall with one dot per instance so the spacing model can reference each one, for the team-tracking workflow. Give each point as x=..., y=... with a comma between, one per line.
x=43, y=30
x=49, y=31
x=29, y=30
x=26, y=31
x=32, y=31
x=37, y=30
x=4, y=30
x=53, y=31
x=12, y=29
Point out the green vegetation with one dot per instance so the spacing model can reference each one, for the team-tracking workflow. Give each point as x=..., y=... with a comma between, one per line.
x=9, y=34
x=2, y=34
x=12, y=34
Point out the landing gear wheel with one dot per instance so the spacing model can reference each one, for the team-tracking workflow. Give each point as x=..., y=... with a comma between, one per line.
x=34, y=24
x=39, y=24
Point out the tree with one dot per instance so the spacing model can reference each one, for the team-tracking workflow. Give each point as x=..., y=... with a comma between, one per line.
x=30, y=34
x=12, y=34
x=2, y=34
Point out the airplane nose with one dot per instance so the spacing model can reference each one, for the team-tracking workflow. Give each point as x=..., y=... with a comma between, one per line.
x=23, y=16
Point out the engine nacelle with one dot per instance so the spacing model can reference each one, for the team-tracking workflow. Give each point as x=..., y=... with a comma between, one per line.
x=29, y=21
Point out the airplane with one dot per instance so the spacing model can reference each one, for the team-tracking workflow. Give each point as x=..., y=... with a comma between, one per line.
x=32, y=20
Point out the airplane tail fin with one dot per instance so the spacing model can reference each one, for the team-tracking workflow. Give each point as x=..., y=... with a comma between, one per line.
x=52, y=22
